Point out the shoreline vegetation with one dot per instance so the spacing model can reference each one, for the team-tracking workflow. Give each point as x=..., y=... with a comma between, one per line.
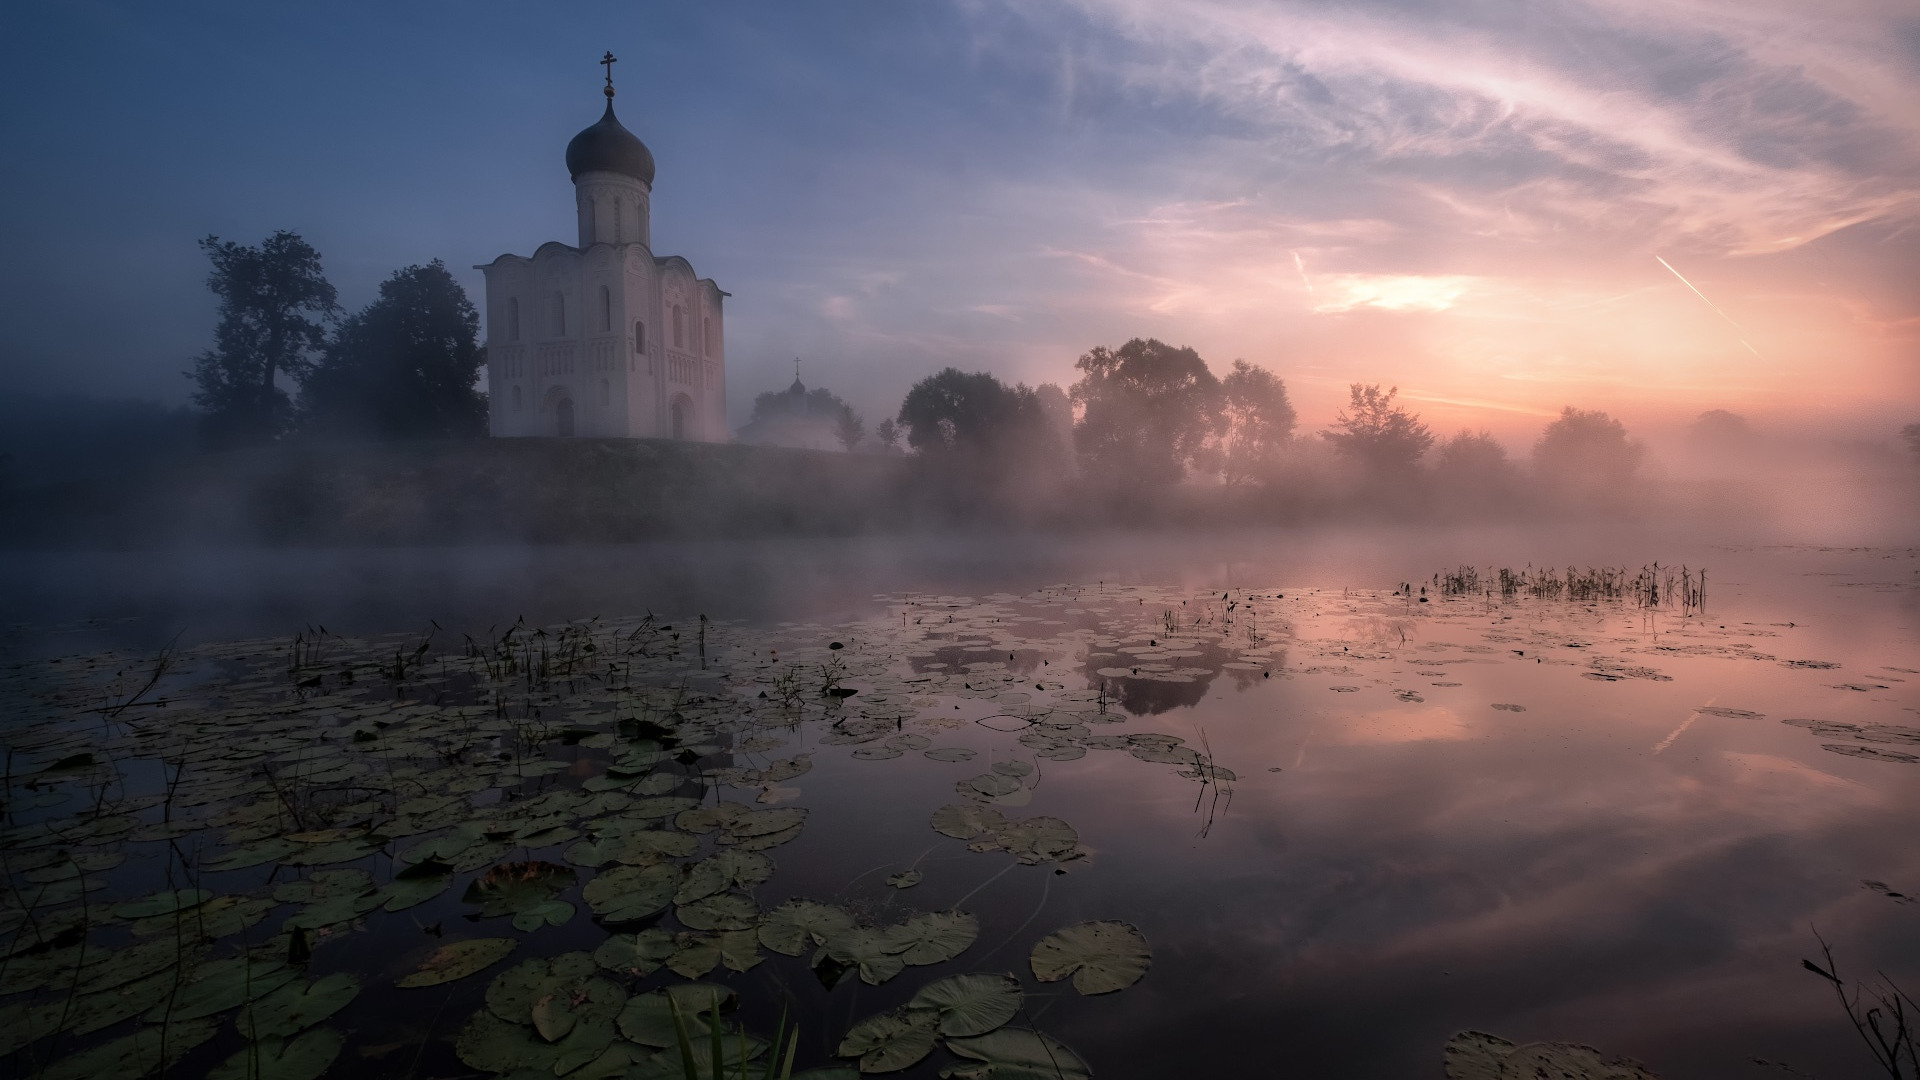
x=467, y=491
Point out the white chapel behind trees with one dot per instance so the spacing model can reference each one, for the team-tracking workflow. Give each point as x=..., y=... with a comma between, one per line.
x=604, y=338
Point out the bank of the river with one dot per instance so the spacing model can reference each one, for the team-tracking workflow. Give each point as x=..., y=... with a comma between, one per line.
x=485, y=490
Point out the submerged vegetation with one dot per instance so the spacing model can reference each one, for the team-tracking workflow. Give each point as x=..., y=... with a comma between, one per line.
x=1651, y=586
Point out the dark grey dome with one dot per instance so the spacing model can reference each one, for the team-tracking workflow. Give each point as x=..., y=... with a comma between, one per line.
x=608, y=147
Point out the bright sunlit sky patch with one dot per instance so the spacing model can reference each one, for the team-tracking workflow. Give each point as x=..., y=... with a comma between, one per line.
x=1468, y=200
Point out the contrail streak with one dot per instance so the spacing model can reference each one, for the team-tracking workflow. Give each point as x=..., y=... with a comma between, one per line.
x=1300, y=265
x=1711, y=304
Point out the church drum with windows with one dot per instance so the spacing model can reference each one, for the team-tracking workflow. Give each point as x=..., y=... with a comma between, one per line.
x=603, y=338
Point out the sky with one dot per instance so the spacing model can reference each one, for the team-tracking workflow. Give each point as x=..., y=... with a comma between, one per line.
x=1502, y=207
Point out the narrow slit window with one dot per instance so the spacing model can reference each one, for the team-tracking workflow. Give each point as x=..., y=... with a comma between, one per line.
x=639, y=337
x=513, y=319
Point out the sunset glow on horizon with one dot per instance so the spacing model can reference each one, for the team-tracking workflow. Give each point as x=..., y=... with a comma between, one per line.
x=1652, y=209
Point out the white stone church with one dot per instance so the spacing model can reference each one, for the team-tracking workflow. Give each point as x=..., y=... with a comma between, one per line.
x=605, y=338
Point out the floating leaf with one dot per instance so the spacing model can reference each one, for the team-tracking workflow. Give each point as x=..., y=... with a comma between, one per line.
x=934, y=937
x=950, y=753
x=1101, y=956
x=215, y=919
x=165, y=903
x=971, y=1004
x=458, y=960
x=964, y=821
x=694, y=955
x=890, y=1041
x=876, y=953
x=323, y=885
x=522, y=888
x=635, y=954
x=905, y=879
x=727, y=869
x=544, y=913
x=740, y=950
x=491, y=1044
x=146, y=1050
x=728, y=911
x=512, y=993
x=1017, y=1054
x=305, y=1057
x=226, y=984
x=630, y=893
x=297, y=1006
x=1475, y=1055
x=797, y=925
x=647, y=1019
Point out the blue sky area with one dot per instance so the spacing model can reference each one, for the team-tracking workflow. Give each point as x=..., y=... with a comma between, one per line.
x=1464, y=199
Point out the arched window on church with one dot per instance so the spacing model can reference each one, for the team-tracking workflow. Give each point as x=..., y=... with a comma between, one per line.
x=559, y=314
x=606, y=309
x=679, y=327
x=618, y=225
x=706, y=336
x=639, y=337
x=513, y=318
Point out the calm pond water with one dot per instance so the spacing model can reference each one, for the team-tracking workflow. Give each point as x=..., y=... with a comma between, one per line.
x=1347, y=824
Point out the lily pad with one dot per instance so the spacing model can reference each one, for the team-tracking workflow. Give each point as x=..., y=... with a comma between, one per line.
x=728, y=911
x=220, y=985
x=512, y=993
x=458, y=960
x=694, y=956
x=135, y=1055
x=934, y=937
x=524, y=890
x=1101, y=956
x=950, y=754
x=491, y=1044
x=631, y=893
x=1476, y=1055
x=797, y=925
x=905, y=879
x=725, y=870
x=647, y=1019
x=639, y=954
x=305, y=1057
x=165, y=903
x=1017, y=1054
x=875, y=953
x=297, y=1006
x=890, y=1041
x=971, y=1004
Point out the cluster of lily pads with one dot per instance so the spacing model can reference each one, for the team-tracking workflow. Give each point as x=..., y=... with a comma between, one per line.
x=191, y=842
x=291, y=793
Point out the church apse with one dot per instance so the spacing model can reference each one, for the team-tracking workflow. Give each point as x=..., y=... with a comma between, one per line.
x=632, y=343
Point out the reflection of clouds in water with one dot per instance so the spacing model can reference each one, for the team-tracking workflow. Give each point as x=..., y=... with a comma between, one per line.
x=1398, y=725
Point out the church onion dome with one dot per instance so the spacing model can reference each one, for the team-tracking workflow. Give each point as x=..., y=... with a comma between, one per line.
x=608, y=147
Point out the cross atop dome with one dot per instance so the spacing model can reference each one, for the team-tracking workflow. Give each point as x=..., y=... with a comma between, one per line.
x=607, y=62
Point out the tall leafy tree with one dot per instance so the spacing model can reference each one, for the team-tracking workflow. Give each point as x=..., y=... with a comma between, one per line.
x=953, y=413
x=405, y=366
x=1148, y=410
x=1382, y=437
x=1259, y=422
x=1586, y=452
x=275, y=304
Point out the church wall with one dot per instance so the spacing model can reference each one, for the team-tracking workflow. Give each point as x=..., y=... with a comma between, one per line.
x=642, y=344
x=559, y=347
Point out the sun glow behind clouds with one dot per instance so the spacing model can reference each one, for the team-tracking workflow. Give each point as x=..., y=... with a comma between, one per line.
x=1391, y=292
